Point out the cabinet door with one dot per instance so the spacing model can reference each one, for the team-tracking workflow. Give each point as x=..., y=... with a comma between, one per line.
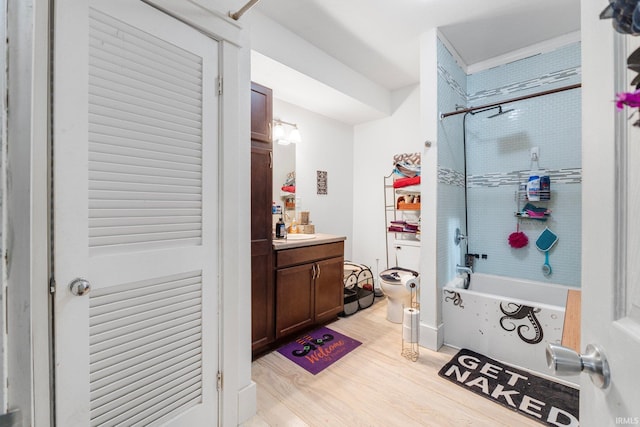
x=294, y=299
x=261, y=114
x=329, y=292
x=261, y=194
x=262, y=299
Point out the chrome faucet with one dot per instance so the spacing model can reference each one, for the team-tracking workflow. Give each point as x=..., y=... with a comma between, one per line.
x=463, y=269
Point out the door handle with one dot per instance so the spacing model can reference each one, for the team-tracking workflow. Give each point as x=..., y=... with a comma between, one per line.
x=313, y=272
x=565, y=361
x=79, y=287
x=318, y=270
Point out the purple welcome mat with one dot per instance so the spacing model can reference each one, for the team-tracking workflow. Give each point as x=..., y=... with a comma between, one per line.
x=318, y=349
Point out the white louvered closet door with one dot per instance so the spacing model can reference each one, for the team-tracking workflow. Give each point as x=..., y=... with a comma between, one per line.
x=135, y=213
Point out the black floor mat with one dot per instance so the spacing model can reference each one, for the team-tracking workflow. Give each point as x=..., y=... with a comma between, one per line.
x=543, y=400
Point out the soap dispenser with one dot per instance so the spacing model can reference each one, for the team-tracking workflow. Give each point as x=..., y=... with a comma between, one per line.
x=293, y=228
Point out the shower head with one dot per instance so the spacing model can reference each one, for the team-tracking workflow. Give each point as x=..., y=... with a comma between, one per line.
x=500, y=112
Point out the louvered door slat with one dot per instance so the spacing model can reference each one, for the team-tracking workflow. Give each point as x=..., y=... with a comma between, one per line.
x=111, y=383
x=142, y=204
x=125, y=385
x=145, y=220
x=162, y=407
x=165, y=292
x=118, y=118
x=110, y=59
x=120, y=177
x=102, y=87
x=143, y=171
x=118, y=400
x=143, y=153
x=157, y=414
x=123, y=360
x=139, y=42
x=143, y=187
x=185, y=314
x=105, y=214
x=148, y=397
x=99, y=131
x=157, y=232
x=135, y=98
x=141, y=316
x=100, y=195
x=142, y=289
x=103, y=118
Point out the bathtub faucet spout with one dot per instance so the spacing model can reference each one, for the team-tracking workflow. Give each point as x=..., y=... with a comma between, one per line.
x=463, y=269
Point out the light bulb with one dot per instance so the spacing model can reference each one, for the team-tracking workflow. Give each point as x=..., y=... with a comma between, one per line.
x=278, y=132
x=294, y=136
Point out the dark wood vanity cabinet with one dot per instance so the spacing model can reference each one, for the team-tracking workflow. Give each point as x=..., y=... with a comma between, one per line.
x=309, y=286
x=262, y=296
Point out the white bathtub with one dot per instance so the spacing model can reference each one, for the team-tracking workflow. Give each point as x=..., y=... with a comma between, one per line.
x=507, y=319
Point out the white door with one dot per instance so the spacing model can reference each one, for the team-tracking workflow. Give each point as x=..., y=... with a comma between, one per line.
x=135, y=190
x=611, y=229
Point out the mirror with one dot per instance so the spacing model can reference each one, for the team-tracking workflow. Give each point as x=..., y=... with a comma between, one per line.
x=284, y=167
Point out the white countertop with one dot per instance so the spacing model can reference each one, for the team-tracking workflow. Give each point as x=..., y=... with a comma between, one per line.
x=318, y=239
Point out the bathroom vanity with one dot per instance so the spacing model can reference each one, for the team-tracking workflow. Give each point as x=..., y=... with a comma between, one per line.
x=308, y=286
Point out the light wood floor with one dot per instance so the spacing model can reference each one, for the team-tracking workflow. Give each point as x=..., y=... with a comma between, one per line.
x=371, y=386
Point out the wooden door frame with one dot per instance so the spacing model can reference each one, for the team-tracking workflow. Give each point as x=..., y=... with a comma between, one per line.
x=26, y=211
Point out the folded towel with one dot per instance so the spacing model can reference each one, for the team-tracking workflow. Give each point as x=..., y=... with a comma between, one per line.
x=289, y=188
x=411, y=158
x=404, y=182
x=407, y=169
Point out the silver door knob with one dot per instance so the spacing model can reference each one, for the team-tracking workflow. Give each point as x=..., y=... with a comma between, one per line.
x=565, y=361
x=80, y=287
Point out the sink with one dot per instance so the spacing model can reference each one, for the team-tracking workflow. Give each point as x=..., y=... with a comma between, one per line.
x=300, y=236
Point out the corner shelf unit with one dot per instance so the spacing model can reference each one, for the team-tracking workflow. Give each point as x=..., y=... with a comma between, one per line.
x=401, y=218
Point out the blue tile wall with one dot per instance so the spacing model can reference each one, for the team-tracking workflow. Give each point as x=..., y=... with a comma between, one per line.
x=498, y=159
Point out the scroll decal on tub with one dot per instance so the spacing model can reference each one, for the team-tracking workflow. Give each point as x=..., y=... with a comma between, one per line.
x=521, y=312
x=454, y=297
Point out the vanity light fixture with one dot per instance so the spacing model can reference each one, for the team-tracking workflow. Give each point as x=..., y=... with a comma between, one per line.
x=279, y=133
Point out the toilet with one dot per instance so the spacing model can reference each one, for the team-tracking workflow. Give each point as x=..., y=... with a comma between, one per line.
x=392, y=283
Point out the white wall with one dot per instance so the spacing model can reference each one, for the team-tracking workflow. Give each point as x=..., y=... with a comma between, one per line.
x=327, y=145
x=280, y=44
x=430, y=327
x=375, y=143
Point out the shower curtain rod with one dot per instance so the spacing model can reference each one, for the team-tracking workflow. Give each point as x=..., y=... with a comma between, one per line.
x=520, y=98
x=238, y=14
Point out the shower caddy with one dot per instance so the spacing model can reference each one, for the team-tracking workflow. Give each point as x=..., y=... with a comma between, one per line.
x=523, y=202
x=401, y=218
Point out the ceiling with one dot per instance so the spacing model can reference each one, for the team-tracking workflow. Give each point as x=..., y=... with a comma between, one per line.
x=380, y=38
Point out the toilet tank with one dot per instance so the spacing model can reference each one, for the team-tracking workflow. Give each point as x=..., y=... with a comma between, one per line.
x=405, y=254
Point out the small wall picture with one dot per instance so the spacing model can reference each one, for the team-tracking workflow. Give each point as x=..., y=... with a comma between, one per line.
x=322, y=182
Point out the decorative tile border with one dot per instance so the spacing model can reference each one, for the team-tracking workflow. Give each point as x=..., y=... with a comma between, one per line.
x=450, y=177
x=511, y=89
x=558, y=176
x=546, y=79
x=497, y=179
x=452, y=82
